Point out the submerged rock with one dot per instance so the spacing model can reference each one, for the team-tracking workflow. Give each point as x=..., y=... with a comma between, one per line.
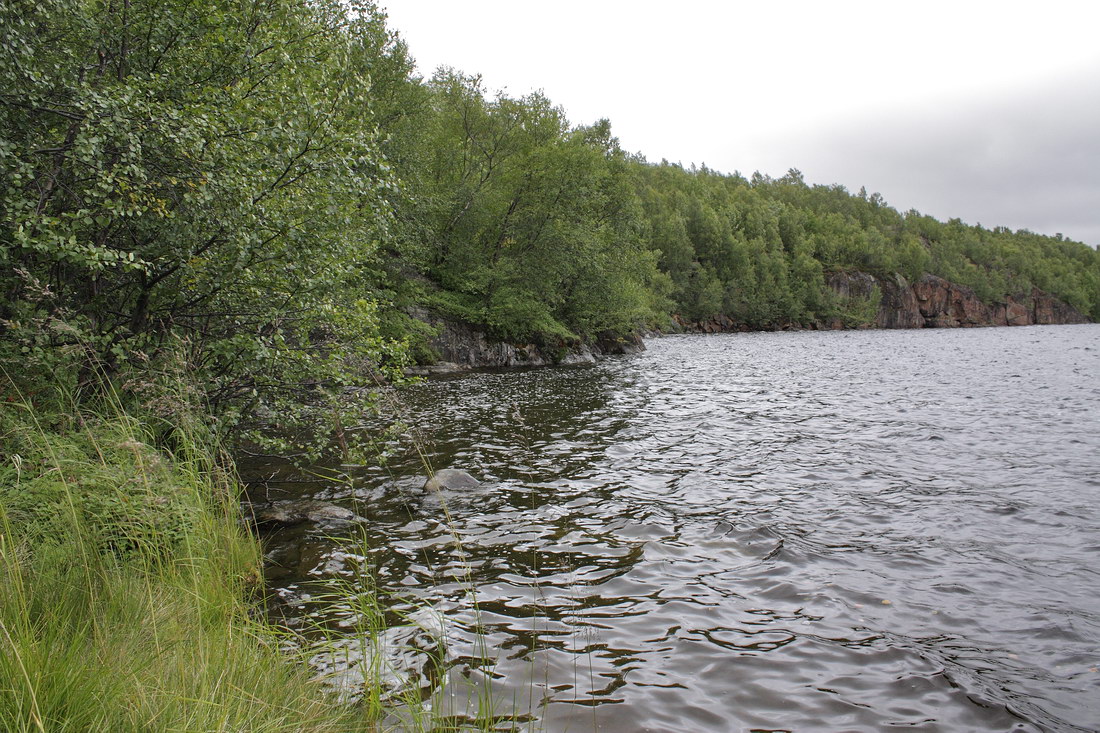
x=450, y=479
x=290, y=513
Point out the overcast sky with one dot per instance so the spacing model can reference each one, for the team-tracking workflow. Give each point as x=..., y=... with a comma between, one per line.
x=986, y=111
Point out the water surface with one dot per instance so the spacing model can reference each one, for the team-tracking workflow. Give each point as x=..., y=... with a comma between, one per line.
x=777, y=531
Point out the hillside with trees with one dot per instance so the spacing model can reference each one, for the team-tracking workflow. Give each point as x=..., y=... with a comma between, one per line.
x=262, y=188
x=513, y=219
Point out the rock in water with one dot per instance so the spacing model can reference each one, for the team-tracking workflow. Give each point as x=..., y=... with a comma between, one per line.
x=289, y=513
x=332, y=516
x=451, y=479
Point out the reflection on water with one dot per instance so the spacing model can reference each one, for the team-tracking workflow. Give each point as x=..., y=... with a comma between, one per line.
x=788, y=531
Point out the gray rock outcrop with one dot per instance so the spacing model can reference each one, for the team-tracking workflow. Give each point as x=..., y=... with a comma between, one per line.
x=463, y=346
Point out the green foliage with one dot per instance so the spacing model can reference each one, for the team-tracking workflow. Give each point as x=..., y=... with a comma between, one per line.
x=768, y=245
x=858, y=311
x=254, y=184
x=527, y=226
x=514, y=315
x=106, y=478
x=204, y=174
x=399, y=327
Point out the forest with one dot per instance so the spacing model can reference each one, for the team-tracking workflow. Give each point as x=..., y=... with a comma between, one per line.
x=263, y=189
x=211, y=211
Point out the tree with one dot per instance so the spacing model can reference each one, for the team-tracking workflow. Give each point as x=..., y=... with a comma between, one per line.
x=197, y=172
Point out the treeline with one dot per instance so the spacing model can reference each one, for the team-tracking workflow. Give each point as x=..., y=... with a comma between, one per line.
x=538, y=230
x=511, y=218
x=267, y=190
x=759, y=250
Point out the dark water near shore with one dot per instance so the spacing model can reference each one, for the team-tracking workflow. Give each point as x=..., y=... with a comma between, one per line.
x=849, y=531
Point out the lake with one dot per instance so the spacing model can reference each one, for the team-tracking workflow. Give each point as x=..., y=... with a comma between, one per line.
x=854, y=531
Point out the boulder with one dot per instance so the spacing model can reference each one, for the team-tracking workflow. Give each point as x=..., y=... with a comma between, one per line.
x=451, y=479
x=290, y=513
x=1016, y=314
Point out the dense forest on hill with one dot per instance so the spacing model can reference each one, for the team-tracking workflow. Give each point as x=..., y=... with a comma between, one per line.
x=538, y=229
x=512, y=218
x=262, y=189
x=758, y=250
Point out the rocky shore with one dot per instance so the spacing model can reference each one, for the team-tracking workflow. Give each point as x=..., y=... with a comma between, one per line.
x=463, y=346
x=930, y=302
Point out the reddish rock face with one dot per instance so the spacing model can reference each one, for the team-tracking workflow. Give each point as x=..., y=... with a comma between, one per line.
x=945, y=304
x=1046, y=309
x=931, y=302
x=1016, y=314
x=899, y=307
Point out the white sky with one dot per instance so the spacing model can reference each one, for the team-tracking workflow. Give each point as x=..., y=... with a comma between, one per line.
x=989, y=111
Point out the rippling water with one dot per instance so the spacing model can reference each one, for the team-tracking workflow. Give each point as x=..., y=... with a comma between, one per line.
x=776, y=531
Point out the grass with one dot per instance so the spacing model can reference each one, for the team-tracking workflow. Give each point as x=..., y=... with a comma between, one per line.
x=128, y=586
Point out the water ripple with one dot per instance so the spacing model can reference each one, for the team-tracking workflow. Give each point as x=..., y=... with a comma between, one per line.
x=808, y=531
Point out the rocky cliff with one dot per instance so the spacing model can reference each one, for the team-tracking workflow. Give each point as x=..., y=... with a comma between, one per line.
x=933, y=302
x=462, y=346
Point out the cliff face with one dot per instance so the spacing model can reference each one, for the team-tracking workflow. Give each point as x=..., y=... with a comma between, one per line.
x=933, y=302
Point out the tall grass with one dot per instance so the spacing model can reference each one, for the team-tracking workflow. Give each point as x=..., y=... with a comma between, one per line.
x=125, y=584
x=131, y=588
